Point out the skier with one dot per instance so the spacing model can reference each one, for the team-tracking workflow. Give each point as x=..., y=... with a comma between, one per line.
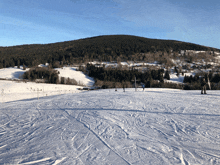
x=203, y=86
x=143, y=86
x=124, y=87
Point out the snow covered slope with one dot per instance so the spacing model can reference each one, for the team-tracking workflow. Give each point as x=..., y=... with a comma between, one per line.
x=12, y=72
x=18, y=90
x=178, y=79
x=158, y=126
x=79, y=76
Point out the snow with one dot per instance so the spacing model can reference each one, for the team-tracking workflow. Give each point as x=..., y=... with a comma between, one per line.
x=178, y=79
x=18, y=90
x=58, y=124
x=43, y=65
x=80, y=77
x=175, y=79
x=12, y=73
x=155, y=126
x=218, y=57
x=129, y=64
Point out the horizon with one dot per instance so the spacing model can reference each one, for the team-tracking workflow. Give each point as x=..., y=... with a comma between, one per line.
x=103, y=36
x=31, y=22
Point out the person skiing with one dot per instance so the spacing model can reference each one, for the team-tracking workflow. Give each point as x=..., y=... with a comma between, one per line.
x=143, y=86
x=203, y=86
x=123, y=87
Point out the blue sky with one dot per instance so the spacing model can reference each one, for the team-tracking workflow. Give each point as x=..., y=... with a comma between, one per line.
x=49, y=21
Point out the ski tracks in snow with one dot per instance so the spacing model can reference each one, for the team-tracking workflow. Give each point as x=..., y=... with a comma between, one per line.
x=108, y=127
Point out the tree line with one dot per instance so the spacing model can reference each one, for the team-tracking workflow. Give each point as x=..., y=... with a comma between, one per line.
x=48, y=75
x=107, y=77
x=119, y=75
x=43, y=73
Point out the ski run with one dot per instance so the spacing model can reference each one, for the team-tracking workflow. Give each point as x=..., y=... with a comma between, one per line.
x=151, y=127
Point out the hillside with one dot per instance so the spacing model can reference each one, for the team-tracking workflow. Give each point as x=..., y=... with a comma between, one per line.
x=102, y=48
x=157, y=126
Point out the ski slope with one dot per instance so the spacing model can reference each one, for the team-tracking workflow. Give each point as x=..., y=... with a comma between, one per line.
x=79, y=76
x=18, y=90
x=67, y=72
x=157, y=126
x=12, y=72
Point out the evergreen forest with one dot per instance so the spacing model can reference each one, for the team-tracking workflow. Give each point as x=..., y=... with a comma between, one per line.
x=101, y=48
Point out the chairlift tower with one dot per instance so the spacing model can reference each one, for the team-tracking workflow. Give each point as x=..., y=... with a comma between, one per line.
x=2, y=95
x=135, y=84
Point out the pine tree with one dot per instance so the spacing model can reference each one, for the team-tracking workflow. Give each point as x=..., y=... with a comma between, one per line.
x=18, y=64
x=24, y=67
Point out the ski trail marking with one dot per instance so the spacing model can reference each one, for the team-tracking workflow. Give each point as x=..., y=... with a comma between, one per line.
x=75, y=135
x=3, y=146
x=71, y=117
x=183, y=161
x=59, y=161
x=104, y=142
x=87, y=148
x=37, y=161
x=83, y=141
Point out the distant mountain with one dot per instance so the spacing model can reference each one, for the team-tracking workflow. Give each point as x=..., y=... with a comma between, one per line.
x=104, y=48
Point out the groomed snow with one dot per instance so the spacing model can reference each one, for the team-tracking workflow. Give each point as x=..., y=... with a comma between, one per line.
x=80, y=77
x=157, y=126
x=18, y=90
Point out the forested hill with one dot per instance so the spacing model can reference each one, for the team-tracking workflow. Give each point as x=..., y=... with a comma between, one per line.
x=105, y=48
